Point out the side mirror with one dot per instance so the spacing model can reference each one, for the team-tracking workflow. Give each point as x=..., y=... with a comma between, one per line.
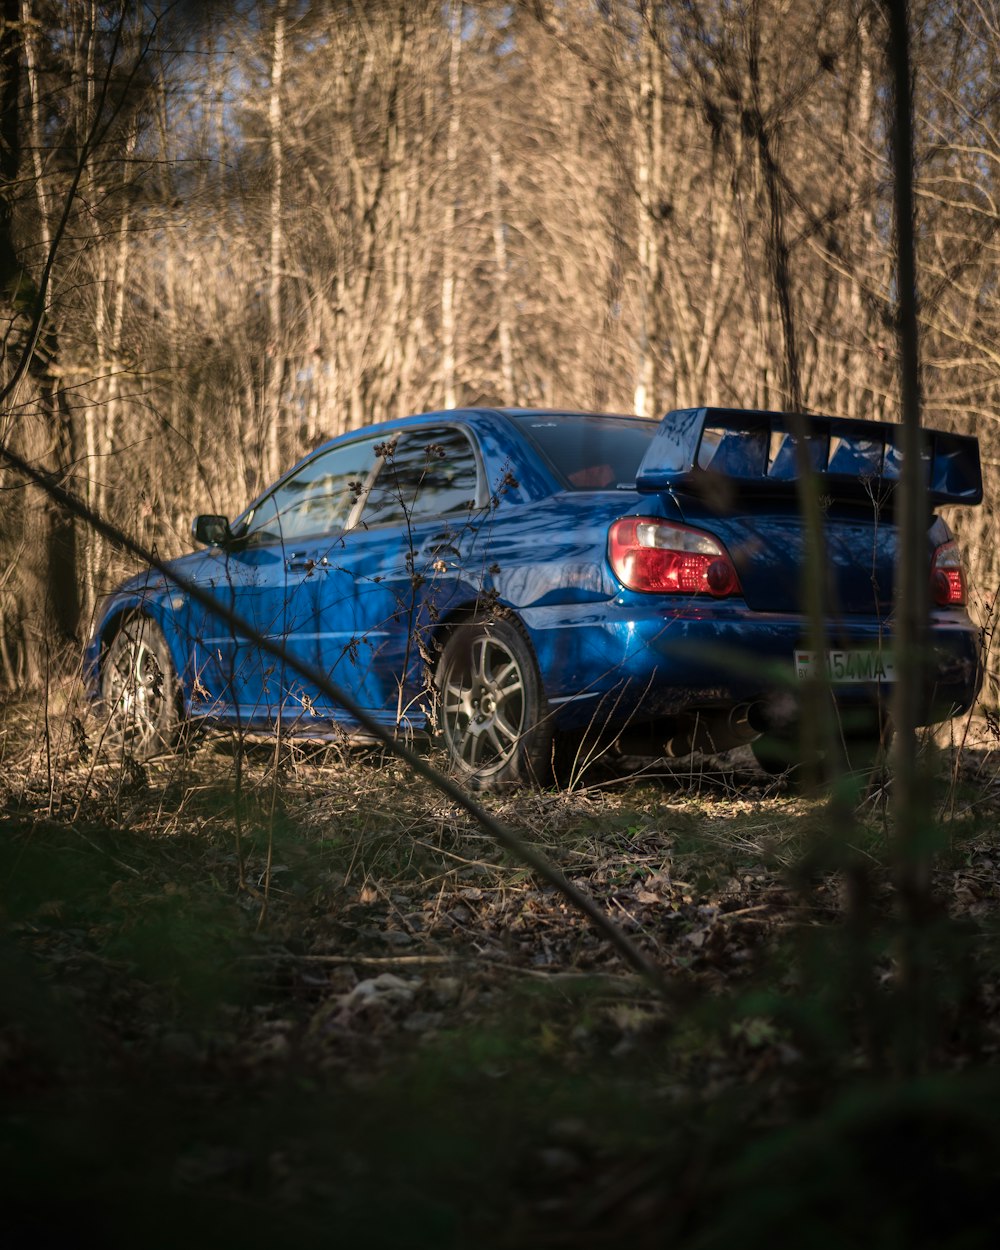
x=211, y=531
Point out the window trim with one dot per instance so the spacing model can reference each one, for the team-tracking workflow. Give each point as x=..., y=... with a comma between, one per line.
x=245, y=519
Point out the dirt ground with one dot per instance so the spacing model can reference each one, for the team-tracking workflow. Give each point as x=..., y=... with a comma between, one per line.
x=260, y=990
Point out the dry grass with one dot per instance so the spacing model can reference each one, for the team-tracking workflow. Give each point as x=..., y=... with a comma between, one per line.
x=252, y=944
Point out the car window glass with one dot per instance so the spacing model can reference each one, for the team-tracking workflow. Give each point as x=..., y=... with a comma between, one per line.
x=427, y=474
x=591, y=452
x=318, y=498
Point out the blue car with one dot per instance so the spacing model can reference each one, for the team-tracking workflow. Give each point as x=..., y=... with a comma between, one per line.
x=510, y=580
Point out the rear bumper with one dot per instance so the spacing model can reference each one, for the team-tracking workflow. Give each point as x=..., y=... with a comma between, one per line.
x=622, y=661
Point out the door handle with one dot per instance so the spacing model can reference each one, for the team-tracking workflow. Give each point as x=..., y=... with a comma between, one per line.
x=441, y=545
x=304, y=562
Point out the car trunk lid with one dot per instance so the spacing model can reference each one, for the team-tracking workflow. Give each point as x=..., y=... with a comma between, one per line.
x=769, y=551
x=734, y=472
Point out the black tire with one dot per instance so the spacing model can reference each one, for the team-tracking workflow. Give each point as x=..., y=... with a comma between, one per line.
x=775, y=754
x=865, y=754
x=491, y=714
x=139, y=690
x=866, y=760
x=860, y=755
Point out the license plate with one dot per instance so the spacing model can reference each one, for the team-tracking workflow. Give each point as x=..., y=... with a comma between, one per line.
x=847, y=666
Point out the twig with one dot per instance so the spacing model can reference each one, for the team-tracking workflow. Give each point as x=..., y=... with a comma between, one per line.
x=503, y=834
x=339, y=960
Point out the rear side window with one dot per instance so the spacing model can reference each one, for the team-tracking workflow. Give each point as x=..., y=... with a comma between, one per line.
x=426, y=473
x=590, y=452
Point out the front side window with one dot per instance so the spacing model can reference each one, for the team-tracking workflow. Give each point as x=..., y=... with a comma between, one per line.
x=318, y=498
x=425, y=474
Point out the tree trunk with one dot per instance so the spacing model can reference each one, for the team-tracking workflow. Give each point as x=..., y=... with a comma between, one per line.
x=448, y=266
x=49, y=600
x=275, y=362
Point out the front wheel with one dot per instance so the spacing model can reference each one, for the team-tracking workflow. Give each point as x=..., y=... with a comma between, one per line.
x=491, y=712
x=139, y=690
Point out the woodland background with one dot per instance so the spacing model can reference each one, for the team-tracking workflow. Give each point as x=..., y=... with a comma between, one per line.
x=248, y=993
x=276, y=221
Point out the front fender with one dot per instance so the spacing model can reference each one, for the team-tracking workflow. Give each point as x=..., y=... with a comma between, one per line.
x=166, y=606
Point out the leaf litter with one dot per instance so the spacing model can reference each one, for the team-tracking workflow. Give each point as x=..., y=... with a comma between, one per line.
x=336, y=919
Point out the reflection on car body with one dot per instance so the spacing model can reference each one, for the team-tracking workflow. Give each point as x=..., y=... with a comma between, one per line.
x=507, y=579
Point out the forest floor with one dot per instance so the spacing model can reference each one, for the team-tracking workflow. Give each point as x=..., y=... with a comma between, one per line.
x=250, y=994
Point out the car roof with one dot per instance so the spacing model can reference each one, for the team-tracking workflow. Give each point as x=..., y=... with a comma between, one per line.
x=445, y=415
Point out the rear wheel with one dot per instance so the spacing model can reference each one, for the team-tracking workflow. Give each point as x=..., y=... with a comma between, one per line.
x=139, y=690
x=861, y=755
x=775, y=753
x=491, y=712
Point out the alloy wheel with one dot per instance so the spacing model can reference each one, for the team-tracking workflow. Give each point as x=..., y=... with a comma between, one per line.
x=137, y=691
x=483, y=704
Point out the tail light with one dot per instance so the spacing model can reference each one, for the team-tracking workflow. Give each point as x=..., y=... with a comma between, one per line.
x=948, y=588
x=658, y=556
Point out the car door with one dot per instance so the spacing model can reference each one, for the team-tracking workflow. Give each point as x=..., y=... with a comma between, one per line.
x=269, y=576
x=409, y=551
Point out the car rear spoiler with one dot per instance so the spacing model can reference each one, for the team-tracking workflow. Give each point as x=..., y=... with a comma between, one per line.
x=755, y=451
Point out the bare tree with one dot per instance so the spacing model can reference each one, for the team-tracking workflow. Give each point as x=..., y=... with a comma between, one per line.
x=320, y=216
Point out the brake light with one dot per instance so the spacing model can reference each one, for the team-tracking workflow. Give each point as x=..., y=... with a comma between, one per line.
x=948, y=577
x=658, y=556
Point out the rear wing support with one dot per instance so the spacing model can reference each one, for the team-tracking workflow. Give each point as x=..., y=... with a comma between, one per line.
x=755, y=451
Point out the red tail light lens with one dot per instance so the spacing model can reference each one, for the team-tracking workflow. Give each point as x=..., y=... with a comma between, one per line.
x=948, y=588
x=660, y=557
